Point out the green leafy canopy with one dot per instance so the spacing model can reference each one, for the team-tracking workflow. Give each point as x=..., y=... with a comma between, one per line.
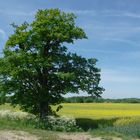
x=37, y=69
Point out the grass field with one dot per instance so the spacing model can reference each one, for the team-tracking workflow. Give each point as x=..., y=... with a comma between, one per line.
x=100, y=110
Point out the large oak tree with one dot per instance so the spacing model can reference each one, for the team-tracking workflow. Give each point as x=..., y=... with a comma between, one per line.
x=36, y=69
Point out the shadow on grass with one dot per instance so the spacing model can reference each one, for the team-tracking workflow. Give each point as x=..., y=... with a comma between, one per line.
x=87, y=124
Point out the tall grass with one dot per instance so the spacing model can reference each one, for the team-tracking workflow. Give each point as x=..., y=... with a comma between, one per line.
x=132, y=130
x=124, y=127
x=16, y=119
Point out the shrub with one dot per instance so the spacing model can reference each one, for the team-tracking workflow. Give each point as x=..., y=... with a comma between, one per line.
x=17, y=119
x=59, y=124
x=16, y=115
x=50, y=123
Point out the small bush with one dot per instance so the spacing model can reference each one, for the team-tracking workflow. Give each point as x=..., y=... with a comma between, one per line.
x=15, y=115
x=18, y=118
x=59, y=124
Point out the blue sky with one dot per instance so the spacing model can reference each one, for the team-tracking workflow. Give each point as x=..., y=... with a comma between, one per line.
x=113, y=30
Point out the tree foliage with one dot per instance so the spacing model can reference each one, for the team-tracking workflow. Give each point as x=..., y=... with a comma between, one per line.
x=37, y=69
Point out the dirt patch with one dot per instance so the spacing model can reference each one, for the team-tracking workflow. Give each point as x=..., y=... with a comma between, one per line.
x=16, y=135
x=75, y=136
x=21, y=135
x=81, y=136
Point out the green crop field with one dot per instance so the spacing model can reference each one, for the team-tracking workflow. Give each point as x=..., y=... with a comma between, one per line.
x=100, y=110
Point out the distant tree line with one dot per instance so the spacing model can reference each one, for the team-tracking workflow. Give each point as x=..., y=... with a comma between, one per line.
x=89, y=99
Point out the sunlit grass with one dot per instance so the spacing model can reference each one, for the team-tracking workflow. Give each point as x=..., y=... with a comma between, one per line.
x=7, y=106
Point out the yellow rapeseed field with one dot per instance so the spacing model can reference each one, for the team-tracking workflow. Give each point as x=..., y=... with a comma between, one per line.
x=100, y=110
x=93, y=110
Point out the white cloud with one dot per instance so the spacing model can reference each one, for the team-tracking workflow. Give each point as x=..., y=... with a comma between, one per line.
x=120, y=76
x=17, y=13
x=120, y=83
x=133, y=55
x=21, y=13
x=2, y=34
x=82, y=12
x=127, y=14
x=127, y=41
x=128, y=34
x=132, y=15
x=116, y=13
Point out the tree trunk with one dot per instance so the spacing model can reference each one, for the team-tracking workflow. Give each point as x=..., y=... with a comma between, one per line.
x=44, y=110
x=44, y=105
